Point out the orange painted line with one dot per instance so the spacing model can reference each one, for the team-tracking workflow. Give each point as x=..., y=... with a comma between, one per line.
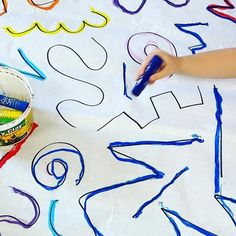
x=54, y=3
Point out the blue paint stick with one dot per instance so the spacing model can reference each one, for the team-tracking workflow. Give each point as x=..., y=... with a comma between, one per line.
x=143, y=80
x=13, y=103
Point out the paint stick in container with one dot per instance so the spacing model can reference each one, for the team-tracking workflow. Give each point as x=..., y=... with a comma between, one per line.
x=5, y=120
x=7, y=115
x=143, y=80
x=13, y=103
x=13, y=114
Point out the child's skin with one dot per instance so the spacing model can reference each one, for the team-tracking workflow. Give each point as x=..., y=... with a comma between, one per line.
x=212, y=64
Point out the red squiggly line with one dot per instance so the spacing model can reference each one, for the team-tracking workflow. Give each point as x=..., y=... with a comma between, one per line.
x=213, y=9
x=16, y=148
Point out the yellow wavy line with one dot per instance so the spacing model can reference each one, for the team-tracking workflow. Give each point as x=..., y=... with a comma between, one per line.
x=60, y=26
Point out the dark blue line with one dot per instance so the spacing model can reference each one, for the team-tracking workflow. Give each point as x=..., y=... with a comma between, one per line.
x=194, y=34
x=186, y=223
x=140, y=210
x=137, y=162
x=177, y=5
x=218, y=141
x=156, y=173
x=109, y=188
x=182, y=142
x=117, y=4
x=125, y=84
x=221, y=200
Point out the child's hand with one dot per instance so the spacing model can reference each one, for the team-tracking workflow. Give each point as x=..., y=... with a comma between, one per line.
x=168, y=67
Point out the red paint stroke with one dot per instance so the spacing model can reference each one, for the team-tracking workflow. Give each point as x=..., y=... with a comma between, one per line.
x=4, y=10
x=54, y=3
x=214, y=8
x=16, y=148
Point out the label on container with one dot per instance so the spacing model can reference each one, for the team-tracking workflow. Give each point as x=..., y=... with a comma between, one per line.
x=17, y=132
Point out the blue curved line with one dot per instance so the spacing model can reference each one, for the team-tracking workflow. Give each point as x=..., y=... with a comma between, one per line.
x=62, y=177
x=181, y=142
x=177, y=5
x=135, y=161
x=51, y=216
x=143, y=206
x=63, y=163
x=194, y=34
x=117, y=4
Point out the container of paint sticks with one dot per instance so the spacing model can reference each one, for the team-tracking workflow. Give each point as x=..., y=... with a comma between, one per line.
x=16, y=118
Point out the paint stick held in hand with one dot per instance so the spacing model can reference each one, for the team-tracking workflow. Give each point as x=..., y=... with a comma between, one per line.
x=143, y=80
x=13, y=103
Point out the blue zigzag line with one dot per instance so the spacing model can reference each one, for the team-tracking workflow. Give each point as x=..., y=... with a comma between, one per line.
x=140, y=210
x=156, y=173
x=220, y=199
x=202, y=44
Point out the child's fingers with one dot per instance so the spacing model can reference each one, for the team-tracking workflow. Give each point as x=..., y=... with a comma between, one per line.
x=144, y=66
x=160, y=74
x=141, y=69
x=140, y=72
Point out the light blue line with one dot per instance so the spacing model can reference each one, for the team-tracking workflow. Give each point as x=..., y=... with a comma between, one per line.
x=40, y=76
x=51, y=218
x=124, y=80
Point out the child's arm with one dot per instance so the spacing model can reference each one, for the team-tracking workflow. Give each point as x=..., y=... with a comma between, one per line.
x=213, y=64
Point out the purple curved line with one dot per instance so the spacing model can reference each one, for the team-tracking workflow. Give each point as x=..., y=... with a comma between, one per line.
x=148, y=45
x=177, y=5
x=13, y=220
x=144, y=50
x=117, y=4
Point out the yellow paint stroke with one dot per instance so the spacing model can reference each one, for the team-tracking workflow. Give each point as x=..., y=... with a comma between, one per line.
x=60, y=26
